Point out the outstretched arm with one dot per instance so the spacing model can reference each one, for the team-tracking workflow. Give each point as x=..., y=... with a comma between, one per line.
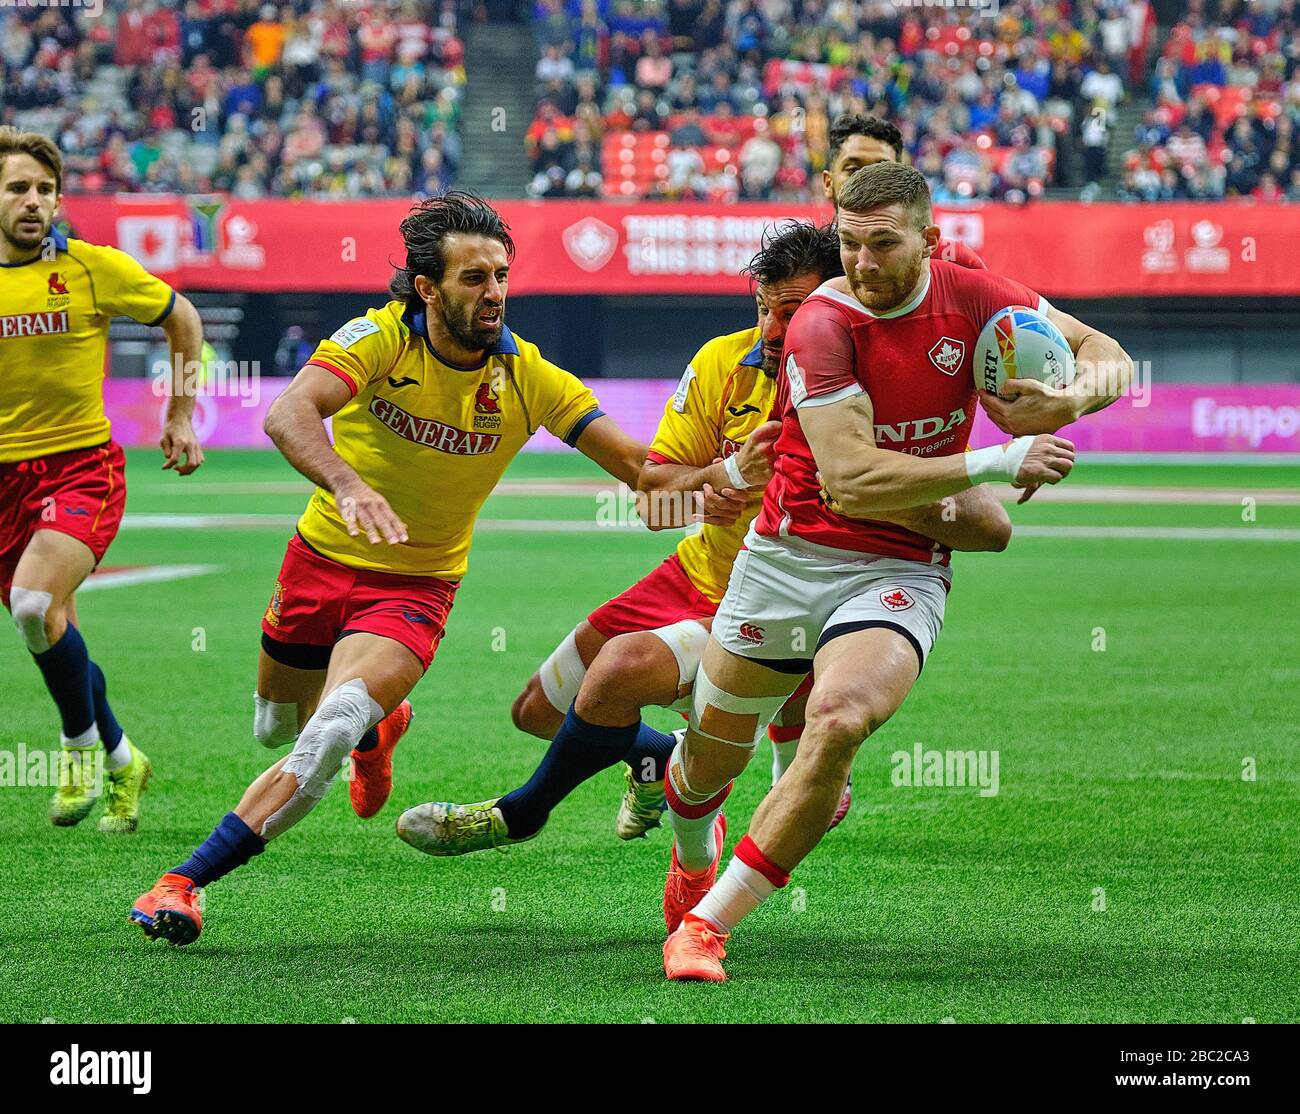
x=720, y=486
x=615, y=450
x=296, y=424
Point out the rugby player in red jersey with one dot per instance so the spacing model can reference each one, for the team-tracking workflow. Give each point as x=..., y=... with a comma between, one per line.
x=871, y=421
x=855, y=141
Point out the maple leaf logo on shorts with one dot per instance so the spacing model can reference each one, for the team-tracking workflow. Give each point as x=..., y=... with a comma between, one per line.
x=896, y=599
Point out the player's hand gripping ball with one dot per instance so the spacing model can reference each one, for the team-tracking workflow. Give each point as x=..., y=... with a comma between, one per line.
x=1020, y=343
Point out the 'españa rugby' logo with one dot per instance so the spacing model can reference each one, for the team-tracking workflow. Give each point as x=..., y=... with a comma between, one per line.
x=434, y=434
x=487, y=408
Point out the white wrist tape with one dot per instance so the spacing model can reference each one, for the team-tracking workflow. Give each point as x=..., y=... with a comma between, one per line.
x=732, y=467
x=997, y=462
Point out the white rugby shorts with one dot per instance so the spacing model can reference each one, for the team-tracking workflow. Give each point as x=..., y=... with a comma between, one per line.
x=787, y=597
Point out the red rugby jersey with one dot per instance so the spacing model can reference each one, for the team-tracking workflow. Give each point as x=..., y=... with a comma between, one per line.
x=916, y=364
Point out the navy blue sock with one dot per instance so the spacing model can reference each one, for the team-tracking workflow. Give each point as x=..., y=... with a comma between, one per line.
x=66, y=669
x=369, y=740
x=650, y=754
x=579, y=750
x=110, y=731
x=231, y=844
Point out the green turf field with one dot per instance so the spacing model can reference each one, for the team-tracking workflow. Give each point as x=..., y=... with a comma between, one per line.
x=1121, y=785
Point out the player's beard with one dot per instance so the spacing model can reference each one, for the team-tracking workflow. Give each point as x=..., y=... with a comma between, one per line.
x=461, y=321
x=888, y=292
x=26, y=241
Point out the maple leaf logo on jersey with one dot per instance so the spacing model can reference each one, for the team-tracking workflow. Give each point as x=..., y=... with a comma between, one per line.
x=57, y=285
x=896, y=599
x=948, y=354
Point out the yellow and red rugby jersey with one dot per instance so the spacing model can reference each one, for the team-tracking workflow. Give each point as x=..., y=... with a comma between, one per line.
x=431, y=437
x=54, y=316
x=722, y=398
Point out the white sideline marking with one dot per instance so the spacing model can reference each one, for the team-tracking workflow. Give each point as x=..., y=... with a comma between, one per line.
x=1157, y=496
x=149, y=574
x=1062, y=493
x=1164, y=533
x=206, y=521
x=250, y=487
x=1117, y=533
x=569, y=526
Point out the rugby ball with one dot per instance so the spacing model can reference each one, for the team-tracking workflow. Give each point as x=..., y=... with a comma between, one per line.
x=1021, y=343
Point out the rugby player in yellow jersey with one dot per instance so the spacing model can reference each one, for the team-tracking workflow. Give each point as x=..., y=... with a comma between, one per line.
x=643, y=647
x=431, y=398
x=62, y=483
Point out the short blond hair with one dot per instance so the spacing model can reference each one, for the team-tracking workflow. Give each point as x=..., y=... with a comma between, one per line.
x=14, y=141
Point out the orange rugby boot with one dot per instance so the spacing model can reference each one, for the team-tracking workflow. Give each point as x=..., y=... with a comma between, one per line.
x=683, y=891
x=695, y=952
x=372, y=770
x=170, y=911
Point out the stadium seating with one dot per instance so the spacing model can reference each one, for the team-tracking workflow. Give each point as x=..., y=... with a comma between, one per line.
x=314, y=98
x=987, y=106
x=1226, y=104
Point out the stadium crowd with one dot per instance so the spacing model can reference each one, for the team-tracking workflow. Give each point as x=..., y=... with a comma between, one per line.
x=677, y=99
x=732, y=98
x=1226, y=104
x=313, y=98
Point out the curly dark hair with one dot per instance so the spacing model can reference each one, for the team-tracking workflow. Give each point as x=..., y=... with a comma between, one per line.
x=429, y=223
x=796, y=248
x=873, y=127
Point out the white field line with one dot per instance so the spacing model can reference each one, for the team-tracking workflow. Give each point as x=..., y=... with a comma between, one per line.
x=149, y=574
x=1061, y=493
x=209, y=521
x=1164, y=533
x=568, y=526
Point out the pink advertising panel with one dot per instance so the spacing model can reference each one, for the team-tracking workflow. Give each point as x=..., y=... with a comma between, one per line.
x=1174, y=418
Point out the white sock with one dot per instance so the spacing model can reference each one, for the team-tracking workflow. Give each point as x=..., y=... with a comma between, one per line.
x=782, y=755
x=88, y=738
x=737, y=893
x=120, y=755
x=696, y=847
